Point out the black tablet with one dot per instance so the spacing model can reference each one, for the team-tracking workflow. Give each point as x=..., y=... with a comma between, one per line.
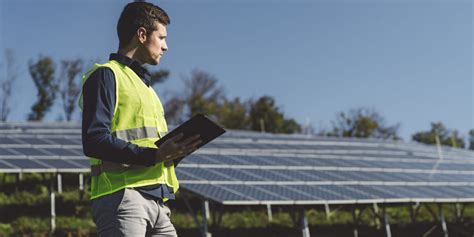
x=199, y=124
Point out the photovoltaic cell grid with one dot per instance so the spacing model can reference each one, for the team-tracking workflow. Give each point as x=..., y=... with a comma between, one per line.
x=244, y=167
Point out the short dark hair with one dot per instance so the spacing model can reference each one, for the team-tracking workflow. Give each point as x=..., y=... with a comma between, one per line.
x=139, y=14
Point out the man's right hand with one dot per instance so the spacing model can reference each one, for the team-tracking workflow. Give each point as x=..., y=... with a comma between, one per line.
x=173, y=148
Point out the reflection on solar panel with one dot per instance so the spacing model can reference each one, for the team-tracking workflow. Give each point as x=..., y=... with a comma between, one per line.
x=254, y=168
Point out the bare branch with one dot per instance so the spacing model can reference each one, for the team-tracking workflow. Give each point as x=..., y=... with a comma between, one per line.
x=7, y=85
x=69, y=87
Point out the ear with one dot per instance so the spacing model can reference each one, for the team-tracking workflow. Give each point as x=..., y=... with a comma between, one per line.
x=141, y=34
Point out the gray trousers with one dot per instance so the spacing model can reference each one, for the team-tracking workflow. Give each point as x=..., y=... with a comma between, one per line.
x=129, y=213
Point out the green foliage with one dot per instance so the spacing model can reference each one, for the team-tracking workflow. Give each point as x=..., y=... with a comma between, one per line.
x=233, y=114
x=203, y=95
x=42, y=73
x=266, y=116
x=446, y=137
x=281, y=218
x=183, y=220
x=364, y=123
x=74, y=224
x=159, y=76
x=174, y=108
x=6, y=229
x=23, y=197
x=26, y=212
x=28, y=225
x=471, y=139
x=247, y=218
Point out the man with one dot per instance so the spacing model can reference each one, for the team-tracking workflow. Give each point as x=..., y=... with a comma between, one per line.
x=122, y=119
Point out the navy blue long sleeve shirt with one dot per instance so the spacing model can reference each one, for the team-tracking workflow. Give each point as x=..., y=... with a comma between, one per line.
x=98, y=110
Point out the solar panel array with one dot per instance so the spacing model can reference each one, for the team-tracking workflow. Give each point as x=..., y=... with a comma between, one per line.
x=249, y=168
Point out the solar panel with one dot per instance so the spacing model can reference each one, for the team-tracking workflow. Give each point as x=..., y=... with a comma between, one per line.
x=31, y=140
x=26, y=164
x=276, y=175
x=6, y=152
x=462, y=191
x=62, y=151
x=248, y=160
x=309, y=175
x=203, y=174
x=204, y=159
x=182, y=174
x=216, y=193
x=5, y=165
x=6, y=140
x=251, y=167
x=65, y=141
x=258, y=192
x=348, y=193
x=83, y=163
x=29, y=151
x=60, y=164
x=369, y=190
x=321, y=193
x=289, y=192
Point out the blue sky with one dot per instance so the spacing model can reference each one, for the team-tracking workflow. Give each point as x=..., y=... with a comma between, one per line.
x=409, y=60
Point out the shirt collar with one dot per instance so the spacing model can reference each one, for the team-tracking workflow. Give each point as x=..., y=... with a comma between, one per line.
x=134, y=65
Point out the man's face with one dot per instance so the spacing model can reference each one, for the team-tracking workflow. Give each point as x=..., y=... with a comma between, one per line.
x=155, y=45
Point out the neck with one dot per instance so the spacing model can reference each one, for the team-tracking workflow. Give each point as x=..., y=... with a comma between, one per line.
x=131, y=53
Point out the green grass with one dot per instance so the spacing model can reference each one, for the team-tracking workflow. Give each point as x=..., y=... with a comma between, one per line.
x=25, y=208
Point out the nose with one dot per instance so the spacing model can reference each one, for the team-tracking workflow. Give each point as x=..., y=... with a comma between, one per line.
x=164, y=47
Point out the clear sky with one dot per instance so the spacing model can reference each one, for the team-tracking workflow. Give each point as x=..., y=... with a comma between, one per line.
x=411, y=60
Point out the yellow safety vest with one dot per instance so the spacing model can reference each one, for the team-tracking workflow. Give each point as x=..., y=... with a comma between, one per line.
x=139, y=119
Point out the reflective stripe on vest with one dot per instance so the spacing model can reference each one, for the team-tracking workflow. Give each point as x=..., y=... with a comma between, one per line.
x=127, y=135
x=138, y=133
x=107, y=166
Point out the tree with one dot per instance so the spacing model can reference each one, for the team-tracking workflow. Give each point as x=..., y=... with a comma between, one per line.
x=7, y=85
x=363, y=122
x=42, y=73
x=233, y=114
x=265, y=116
x=471, y=139
x=69, y=87
x=202, y=95
x=174, y=108
x=446, y=136
x=159, y=76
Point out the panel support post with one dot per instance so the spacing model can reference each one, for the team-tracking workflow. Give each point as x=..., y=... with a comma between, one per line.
x=81, y=186
x=53, y=206
x=269, y=213
x=190, y=209
x=81, y=182
x=459, y=211
x=205, y=218
x=443, y=220
x=60, y=183
x=355, y=214
x=386, y=222
x=202, y=227
x=376, y=215
x=304, y=225
x=328, y=211
x=414, y=210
